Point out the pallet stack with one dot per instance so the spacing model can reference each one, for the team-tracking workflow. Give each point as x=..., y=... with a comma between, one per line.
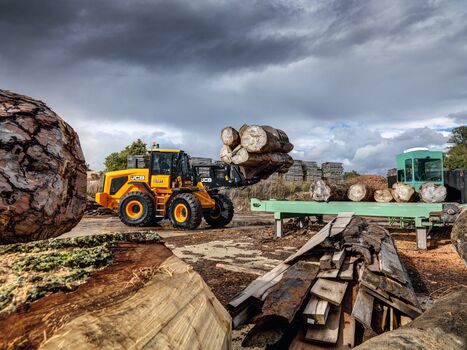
x=346, y=278
x=296, y=172
x=312, y=172
x=333, y=172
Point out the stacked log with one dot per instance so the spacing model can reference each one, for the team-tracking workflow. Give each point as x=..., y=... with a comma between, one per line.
x=383, y=196
x=403, y=192
x=94, y=303
x=360, y=193
x=432, y=193
x=259, y=150
x=321, y=191
x=42, y=171
x=346, y=277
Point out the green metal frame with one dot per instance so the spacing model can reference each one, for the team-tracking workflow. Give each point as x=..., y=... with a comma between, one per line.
x=418, y=213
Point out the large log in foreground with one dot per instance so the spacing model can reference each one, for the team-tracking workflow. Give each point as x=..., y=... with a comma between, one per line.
x=355, y=279
x=443, y=326
x=127, y=302
x=459, y=235
x=432, y=193
x=42, y=171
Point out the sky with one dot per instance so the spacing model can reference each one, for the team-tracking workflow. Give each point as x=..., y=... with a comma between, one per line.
x=349, y=81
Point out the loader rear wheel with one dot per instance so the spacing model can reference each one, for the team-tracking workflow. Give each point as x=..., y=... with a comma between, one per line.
x=185, y=211
x=222, y=213
x=136, y=209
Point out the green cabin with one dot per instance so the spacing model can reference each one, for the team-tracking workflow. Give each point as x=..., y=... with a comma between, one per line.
x=416, y=166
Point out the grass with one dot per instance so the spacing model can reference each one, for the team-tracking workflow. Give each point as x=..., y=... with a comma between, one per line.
x=29, y=271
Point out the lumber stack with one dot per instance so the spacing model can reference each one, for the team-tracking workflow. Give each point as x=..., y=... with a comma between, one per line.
x=106, y=292
x=259, y=150
x=333, y=172
x=346, y=278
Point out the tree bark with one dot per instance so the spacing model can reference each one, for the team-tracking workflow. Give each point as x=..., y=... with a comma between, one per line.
x=403, y=192
x=230, y=137
x=432, y=193
x=459, y=235
x=383, y=196
x=264, y=139
x=360, y=193
x=42, y=171
x=226, y=154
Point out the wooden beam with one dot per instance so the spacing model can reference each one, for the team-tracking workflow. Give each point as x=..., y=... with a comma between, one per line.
x=317, y=310
x=407, y=309
x=327, y=333
x=325, y=263
x=338, y=258
x=346, y=271
x=332, y=291
x=390, y=264
x=363, y=308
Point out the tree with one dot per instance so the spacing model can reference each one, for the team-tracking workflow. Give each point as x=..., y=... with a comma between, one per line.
x=456, y=157
x=350, y=174
x=118, y=160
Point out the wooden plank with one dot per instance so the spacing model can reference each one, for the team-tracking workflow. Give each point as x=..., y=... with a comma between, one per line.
x=325, y=263
x=374, y=266
x=338, y=258
x=342, y=221
x=398, y=304
x=317, y=310
x=388, y=285
x=332, y=291
x=346, y=271
x=390, y=263
x=391, y=319
x=257, y=288
x=384, y=318
x=327, y=333
x=313, y=242
x=348, y=331
x=329, y=273
x=363, y=308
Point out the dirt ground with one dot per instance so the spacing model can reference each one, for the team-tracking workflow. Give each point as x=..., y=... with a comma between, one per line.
x=230, y=258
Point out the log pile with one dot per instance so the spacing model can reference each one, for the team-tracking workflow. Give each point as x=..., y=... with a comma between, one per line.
x=346, y=278
x=42, y=171
x=126, y=301
x=259, y=150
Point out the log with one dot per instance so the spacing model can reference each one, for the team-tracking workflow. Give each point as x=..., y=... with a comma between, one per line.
x=383, y=196
x=244, y=158
x=360, y=193
x=443, y=326
x=403, y=192
x=279, y=162
x=230, y=137
x=459, y=235
x=320, y=191
x=42, y=171
x=432, y=193
x=226, y=154
x=264, y=139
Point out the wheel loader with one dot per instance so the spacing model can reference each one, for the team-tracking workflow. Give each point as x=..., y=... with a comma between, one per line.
x=168, y=187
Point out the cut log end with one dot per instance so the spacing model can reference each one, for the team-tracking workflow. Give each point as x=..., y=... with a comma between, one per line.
x=230, y=137
x=383, y=196
x=432, y=193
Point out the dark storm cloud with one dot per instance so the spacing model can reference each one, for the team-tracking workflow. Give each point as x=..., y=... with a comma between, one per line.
x=180, y=70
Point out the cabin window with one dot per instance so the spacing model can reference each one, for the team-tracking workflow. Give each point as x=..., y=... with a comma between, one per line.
x=427, y=169
x=162, y=162
x=400, y=176
x=408, y=169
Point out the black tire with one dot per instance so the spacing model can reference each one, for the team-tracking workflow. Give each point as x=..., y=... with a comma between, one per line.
x=222, y=214
x=185, y=211
x=136, y=209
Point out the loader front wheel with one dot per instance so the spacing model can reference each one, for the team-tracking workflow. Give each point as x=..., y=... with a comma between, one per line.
x=136, y=209
x=185, y=211
x=222, y=213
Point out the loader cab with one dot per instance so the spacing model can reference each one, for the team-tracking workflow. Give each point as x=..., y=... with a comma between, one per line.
x=417, y=166
x=168, y=166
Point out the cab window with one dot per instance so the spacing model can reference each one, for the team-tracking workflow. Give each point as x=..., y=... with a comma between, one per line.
x=400, y=176
x=426, y=169
x=408, y=169
x=162, y=163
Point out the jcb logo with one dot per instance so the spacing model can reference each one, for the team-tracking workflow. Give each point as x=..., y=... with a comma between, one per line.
x=206, y=179
x=138, y=177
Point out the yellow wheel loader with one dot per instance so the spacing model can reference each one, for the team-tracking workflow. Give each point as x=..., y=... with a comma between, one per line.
x=168, y=187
